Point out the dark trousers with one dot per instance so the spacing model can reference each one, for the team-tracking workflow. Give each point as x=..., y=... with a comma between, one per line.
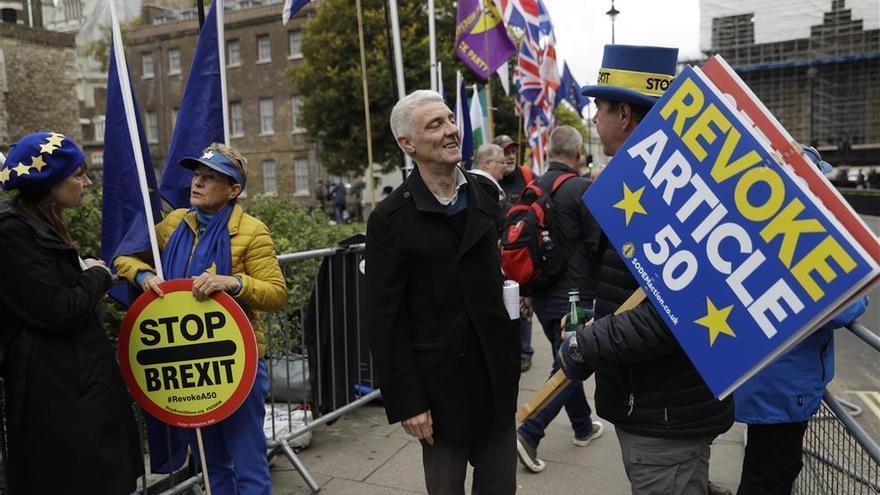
x=493, y=457
x=773, y=459
x=550, y=311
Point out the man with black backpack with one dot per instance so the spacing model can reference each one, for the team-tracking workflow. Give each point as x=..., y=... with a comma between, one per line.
x=570, y=263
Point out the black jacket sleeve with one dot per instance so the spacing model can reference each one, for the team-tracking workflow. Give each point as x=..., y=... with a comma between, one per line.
x=390, y=335
x=633, y=336
x=34, y=292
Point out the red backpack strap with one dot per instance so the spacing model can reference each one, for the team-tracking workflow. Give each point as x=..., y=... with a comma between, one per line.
x=557, y=183
x=527, y=174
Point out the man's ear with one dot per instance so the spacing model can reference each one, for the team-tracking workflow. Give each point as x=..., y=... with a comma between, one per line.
x=627, y=118
x=406, y=144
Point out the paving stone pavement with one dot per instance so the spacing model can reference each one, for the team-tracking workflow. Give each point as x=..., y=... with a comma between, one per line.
x=362, y=454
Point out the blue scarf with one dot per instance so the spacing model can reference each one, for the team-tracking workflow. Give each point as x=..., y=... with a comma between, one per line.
x=213, y=248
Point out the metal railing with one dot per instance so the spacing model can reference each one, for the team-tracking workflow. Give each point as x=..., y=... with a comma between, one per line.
x=839, y=456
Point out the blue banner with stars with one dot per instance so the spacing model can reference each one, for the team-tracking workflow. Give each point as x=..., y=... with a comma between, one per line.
x=736, y=255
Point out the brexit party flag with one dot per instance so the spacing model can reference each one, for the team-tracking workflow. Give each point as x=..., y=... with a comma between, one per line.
x=481, y=40
x=124, y=226
x=200, y=117
x=736, y=253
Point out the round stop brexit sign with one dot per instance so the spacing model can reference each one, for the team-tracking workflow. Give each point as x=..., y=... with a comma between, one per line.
x=187, y=363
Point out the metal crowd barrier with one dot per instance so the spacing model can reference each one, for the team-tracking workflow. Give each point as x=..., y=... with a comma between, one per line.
x=839, y=456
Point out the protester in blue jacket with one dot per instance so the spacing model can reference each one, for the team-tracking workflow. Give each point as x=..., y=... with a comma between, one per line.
x=778, y=402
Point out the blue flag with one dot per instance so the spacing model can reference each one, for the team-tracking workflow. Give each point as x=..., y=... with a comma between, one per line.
x=123, y=222
x=200, y=118
x=463, y=119
x=570, y=91
x=291, y=7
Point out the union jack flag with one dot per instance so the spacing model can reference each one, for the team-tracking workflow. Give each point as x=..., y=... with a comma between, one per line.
x=536, y=75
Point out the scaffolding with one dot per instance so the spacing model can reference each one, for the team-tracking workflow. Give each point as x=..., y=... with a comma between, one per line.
x=825, y=89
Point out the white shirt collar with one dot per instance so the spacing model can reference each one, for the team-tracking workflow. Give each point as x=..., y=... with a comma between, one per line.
x=460, y=181
x=479, y=171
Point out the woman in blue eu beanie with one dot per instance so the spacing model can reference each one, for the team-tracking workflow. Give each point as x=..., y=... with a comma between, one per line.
x=67, y=412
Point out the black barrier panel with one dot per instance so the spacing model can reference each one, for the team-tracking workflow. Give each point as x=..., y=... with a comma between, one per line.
x=864, y=201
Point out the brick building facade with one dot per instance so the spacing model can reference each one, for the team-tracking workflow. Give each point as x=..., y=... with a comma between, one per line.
x=37, y=82
x=263, y=103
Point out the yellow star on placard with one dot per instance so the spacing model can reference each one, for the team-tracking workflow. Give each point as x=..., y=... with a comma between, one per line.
x=38, y=163
x=630, y=203
x=22, y=169
x=4, y=175
x=716, y=321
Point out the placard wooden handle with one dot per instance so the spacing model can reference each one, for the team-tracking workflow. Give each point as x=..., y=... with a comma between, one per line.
x=556, y=382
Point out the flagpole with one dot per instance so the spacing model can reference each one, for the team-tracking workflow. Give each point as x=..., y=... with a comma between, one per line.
x=368, y=129
x=221, y=51
x=432, y=45
x=440, y=77
x=490, y=131
x=128, y=103
x=398, y=68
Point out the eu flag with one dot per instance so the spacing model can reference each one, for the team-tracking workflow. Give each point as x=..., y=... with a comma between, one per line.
x=200, y=118
x=123, y=222
x=570, y=91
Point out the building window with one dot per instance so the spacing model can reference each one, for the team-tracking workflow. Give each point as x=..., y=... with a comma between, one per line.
x=147, y=65
x=99, y=128
x=233, y=53
x=295, y=44
x=173, y=62
x=296, y=114
x=152, y=128
x=98, y=159
x=269, y=179
x=301, y=170
x=264, y=48
x=236, y=119
x=267, y=116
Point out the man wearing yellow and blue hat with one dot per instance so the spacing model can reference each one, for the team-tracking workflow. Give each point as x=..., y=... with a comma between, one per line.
x=664, y=415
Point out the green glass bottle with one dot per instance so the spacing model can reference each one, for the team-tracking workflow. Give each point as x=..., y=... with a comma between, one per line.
x=576, y=315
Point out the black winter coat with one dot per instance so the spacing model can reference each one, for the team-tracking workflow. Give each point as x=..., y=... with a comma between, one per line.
x=440, y=336
x=645, y=383
x=575, y=233
x=69, y=419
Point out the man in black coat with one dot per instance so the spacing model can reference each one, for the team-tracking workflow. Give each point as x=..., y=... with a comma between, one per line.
x=575, y=237
x=446, y=352
x=664, y=414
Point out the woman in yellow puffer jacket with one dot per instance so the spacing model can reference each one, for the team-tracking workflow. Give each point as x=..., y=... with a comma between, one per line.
x=222, y=249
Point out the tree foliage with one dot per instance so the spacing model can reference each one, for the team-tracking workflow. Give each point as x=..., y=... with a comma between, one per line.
x=566, y=116
x=329, y=80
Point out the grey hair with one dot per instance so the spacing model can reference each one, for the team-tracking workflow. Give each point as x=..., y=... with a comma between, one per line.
x=565, y=141
x=402, y=114
x=486, y=152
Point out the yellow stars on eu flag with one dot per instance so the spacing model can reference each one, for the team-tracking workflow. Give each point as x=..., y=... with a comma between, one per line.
x=716, y=321
x=4, y=175
x=630, y=203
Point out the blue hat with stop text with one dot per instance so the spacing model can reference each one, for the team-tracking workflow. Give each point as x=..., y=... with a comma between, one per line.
x=637, y=75
x=40, y=160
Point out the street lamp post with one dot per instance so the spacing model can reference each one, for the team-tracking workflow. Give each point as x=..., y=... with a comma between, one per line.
x=612, y=13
